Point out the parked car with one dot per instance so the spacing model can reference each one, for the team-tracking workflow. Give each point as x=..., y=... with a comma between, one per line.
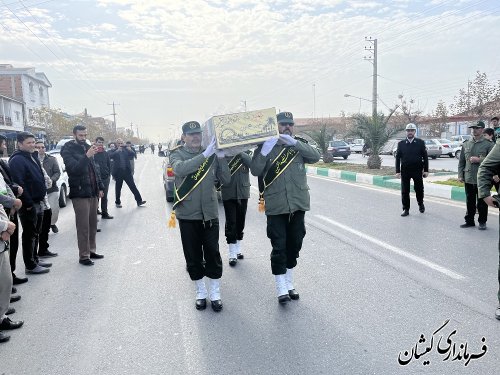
x=460, y=138
x=339, y=148
x=449, y=148
x=434, y=148
x=357, y=145
x=62, y=182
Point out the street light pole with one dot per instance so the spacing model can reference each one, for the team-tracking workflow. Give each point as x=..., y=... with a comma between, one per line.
x=360, y=99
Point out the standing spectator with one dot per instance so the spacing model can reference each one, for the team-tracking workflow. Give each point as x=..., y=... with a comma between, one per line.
x=473, y=153
x=196, y=208
x=27, y=172
x=152, y=148
x=496, y=127
x=52, y=169
x=85, y=187
x=7, y=228
x=235, y=199
x=103, y=163
x=12, y=213
x=122, y=172
x=132, y=160
x=487, y=169
x=412, y=163
x=282, y=172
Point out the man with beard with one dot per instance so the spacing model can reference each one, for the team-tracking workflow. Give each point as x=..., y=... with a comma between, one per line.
x=85, y=187
x=412, y=163
x=280, y=165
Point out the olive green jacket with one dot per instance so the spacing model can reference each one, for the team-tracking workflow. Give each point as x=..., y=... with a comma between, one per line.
x=467, y=170
x=488, y=168
x=201, y=203
x=289, y=192
x=239, y=187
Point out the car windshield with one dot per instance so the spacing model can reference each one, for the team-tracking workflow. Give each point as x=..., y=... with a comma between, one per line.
x=429, y=142
x=337, y=143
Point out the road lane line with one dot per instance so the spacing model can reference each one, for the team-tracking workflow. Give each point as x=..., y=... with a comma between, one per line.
x=394, y=249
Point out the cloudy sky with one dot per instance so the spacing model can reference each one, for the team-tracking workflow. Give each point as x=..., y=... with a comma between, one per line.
x=169, y=61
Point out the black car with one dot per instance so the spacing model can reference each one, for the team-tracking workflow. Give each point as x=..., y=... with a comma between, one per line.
x=339, y=148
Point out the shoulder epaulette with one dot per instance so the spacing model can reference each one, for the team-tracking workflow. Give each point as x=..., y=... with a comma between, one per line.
x=301, y=139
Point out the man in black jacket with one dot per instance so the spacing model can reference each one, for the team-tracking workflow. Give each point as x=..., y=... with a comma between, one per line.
x=17, y=190
x=412, y=163
x=85, y=187
x=122, y=171
x=26, y=171
x=103, y=163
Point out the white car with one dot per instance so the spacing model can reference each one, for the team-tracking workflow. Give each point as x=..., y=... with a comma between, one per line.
x=62, y=182
x=449, y=148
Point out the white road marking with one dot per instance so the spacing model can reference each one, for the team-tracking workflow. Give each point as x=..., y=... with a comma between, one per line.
x=394, y=249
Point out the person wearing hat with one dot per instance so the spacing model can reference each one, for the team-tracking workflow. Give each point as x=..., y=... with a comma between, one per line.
x=412, y=163
x=487, y=169
x=196, y=208
x=473, y=153
x=280, y=165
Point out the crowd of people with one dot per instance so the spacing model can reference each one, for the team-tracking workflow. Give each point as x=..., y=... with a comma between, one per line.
x=29, y=194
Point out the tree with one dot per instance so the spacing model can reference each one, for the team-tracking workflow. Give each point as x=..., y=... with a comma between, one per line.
x=439, y=124
x=481, y=98
x=53, y=121
x=375, y=132
x=322, y=138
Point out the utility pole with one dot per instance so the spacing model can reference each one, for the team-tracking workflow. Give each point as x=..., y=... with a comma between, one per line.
x=244, y=104
x=114, y=115
x=314, y=101
x=373, y=59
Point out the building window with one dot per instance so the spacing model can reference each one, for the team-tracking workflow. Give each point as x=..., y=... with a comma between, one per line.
x=40, y=91
x=31, y=87
x=18, y=115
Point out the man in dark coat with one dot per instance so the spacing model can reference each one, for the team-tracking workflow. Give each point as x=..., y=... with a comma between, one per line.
x=27, y=172
x=103, y=163
x=85, y=188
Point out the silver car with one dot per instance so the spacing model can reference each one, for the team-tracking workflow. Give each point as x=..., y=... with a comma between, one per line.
x=434, y=148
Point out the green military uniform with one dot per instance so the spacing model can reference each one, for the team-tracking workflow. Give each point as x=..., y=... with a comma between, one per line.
x=468, y=172
x=488, y=168
x=235, y=199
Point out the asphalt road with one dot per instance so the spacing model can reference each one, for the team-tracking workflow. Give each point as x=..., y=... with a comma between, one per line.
x=443, y=163
x=371, y=284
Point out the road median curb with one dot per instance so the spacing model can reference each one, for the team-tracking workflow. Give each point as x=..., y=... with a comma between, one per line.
x=454, y=193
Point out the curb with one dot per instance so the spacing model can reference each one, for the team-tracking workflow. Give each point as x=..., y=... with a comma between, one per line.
x=454, y=193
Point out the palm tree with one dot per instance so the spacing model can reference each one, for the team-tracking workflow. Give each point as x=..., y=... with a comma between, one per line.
x=375, y=132
x=322, y=138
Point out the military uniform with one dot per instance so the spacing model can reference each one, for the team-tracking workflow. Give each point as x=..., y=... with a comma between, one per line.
x=286, y=201
x=468, y=172
x=486, y=171
x=235, y=199
x=198, y=216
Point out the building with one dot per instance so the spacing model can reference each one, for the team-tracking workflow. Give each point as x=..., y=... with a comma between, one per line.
x=11, y=119
x=28, y=87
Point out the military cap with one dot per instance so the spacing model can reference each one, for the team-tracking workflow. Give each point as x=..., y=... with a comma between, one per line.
x=285, y=118
x=191, y=127
x=478, y=124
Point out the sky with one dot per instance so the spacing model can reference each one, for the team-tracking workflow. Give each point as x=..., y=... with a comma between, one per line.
x=166, y=62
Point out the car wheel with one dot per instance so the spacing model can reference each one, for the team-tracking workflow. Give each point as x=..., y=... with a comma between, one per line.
x=345, y=157
x=457, y=154
x=62, y=197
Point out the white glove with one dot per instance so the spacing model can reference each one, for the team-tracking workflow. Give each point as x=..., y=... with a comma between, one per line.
x=220, y=153
x=288, y=139
x=268, y=145
x=210, y=150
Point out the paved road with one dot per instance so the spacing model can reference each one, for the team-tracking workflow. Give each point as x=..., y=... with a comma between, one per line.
x=442, y=163
x=371, y=283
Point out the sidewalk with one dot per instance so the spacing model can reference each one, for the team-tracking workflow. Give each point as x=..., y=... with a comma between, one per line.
x=435, y=190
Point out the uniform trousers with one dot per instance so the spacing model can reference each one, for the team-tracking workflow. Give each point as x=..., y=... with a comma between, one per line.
x=129, y=180
x=200, y=240
x=473, y=203
x=5, y=283
x=286, y=233
x=86, y=225
x=42, y=242
x=31, y=221
x=236, y=210
x=418, y=186
x=54, y=206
